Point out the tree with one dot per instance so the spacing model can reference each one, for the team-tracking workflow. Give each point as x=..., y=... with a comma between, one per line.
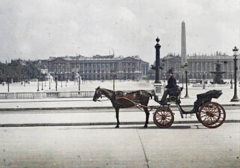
x=18, y=70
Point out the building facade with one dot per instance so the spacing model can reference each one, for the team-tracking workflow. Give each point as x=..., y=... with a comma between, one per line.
x=96, y=67
x=199, y=66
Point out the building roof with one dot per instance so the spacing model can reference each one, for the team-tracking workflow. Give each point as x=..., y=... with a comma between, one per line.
x=96, y=57
x=195, y=56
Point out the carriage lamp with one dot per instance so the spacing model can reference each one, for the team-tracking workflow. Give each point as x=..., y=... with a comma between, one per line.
x=235, y=53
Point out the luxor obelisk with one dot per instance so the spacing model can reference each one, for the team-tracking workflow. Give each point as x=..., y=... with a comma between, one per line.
x=184, y=63
x=183, y=46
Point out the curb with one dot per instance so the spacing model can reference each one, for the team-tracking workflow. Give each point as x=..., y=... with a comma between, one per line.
x=98, y=124
x=95, y=107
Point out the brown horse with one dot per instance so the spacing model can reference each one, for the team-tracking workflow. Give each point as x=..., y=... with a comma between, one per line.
x=121, y=99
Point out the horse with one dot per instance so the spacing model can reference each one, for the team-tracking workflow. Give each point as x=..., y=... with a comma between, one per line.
x=120, y=99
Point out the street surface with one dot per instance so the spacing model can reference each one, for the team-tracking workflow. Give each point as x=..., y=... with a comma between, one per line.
x=78, y=133
x=83, y=117
x=183, y=145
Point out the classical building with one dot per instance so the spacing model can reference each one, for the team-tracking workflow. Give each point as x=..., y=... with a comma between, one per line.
x=96, y=67
x=199, y=65
x=144, y=68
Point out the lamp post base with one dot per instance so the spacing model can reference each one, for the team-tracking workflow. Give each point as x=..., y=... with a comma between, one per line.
x=235, y=99
x=158, y=88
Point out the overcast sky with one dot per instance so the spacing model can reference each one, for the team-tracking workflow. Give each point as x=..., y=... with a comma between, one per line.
x=38, y=29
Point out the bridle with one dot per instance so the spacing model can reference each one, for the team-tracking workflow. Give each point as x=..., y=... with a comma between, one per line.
x=98, y=94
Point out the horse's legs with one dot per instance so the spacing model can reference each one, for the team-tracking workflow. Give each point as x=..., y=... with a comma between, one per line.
x=147, y=117
x=117, y=117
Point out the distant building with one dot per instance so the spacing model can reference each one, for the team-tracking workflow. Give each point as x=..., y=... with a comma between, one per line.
x=198, y=65
x=144, y=68
x=97, y=67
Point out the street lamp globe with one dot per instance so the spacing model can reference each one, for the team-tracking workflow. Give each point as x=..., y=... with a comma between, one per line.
x=235, y=51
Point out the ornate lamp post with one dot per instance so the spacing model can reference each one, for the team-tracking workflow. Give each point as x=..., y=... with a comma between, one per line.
x=45, y=84
x=79, y=82
x=235, y=97
x=38, y=83
x=42, y=80
x=186, y=78
x=182, y=80
x=113, y=73
x=56, y=80
x=61, y=77
x=203, y=80
x=24, y=81
x=231, y=82
x=3, y=76
x=157, y=65
x=8, y=82
x=49, y=78
x=66, y=76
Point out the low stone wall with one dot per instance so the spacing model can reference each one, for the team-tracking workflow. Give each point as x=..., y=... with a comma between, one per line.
x=42, y=95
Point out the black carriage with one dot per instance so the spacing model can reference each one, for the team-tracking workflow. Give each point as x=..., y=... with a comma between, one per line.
x=210, y=114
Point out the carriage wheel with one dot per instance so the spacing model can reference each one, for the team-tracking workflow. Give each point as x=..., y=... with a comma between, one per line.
x=198, y=117
x=212, y=115
x=163, y=117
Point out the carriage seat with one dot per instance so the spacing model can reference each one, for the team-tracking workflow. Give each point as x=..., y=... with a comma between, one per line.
x=174, y=95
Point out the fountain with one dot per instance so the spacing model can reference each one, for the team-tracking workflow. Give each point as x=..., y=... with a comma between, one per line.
x=218, y=74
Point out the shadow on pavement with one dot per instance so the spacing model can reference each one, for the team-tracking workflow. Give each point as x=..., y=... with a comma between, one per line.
x=138, y=127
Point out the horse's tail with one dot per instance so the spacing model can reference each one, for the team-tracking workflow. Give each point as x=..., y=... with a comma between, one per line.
x=150, y=95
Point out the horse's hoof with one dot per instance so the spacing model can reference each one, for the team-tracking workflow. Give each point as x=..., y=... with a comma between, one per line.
x=145, y=126
x=117, y=126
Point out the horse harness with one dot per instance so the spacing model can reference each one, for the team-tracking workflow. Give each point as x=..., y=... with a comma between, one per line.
x=118, y=96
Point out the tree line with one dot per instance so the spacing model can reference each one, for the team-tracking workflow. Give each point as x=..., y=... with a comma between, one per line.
x=18, y=70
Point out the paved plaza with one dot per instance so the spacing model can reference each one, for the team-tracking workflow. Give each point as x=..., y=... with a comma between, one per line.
x=90, y=86
x=77, y=132
x=84, y=111
x=184, y=146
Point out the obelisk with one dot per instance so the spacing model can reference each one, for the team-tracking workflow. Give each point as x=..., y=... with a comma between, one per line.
x=183, y=46
x=184, y=57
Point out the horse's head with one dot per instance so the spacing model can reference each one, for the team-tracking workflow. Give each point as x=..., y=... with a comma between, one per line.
x=97, y=94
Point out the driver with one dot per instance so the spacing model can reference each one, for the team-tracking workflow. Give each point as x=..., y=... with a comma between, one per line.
x=170, y=87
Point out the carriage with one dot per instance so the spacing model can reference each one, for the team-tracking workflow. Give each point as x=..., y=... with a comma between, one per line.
x=210, y=114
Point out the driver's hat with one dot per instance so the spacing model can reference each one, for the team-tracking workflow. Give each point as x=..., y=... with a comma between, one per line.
x=170, y=71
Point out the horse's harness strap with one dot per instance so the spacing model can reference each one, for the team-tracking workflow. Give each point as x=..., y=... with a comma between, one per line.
x=135, y=103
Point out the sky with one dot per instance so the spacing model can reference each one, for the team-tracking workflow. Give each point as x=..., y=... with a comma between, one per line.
x=38, y=29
